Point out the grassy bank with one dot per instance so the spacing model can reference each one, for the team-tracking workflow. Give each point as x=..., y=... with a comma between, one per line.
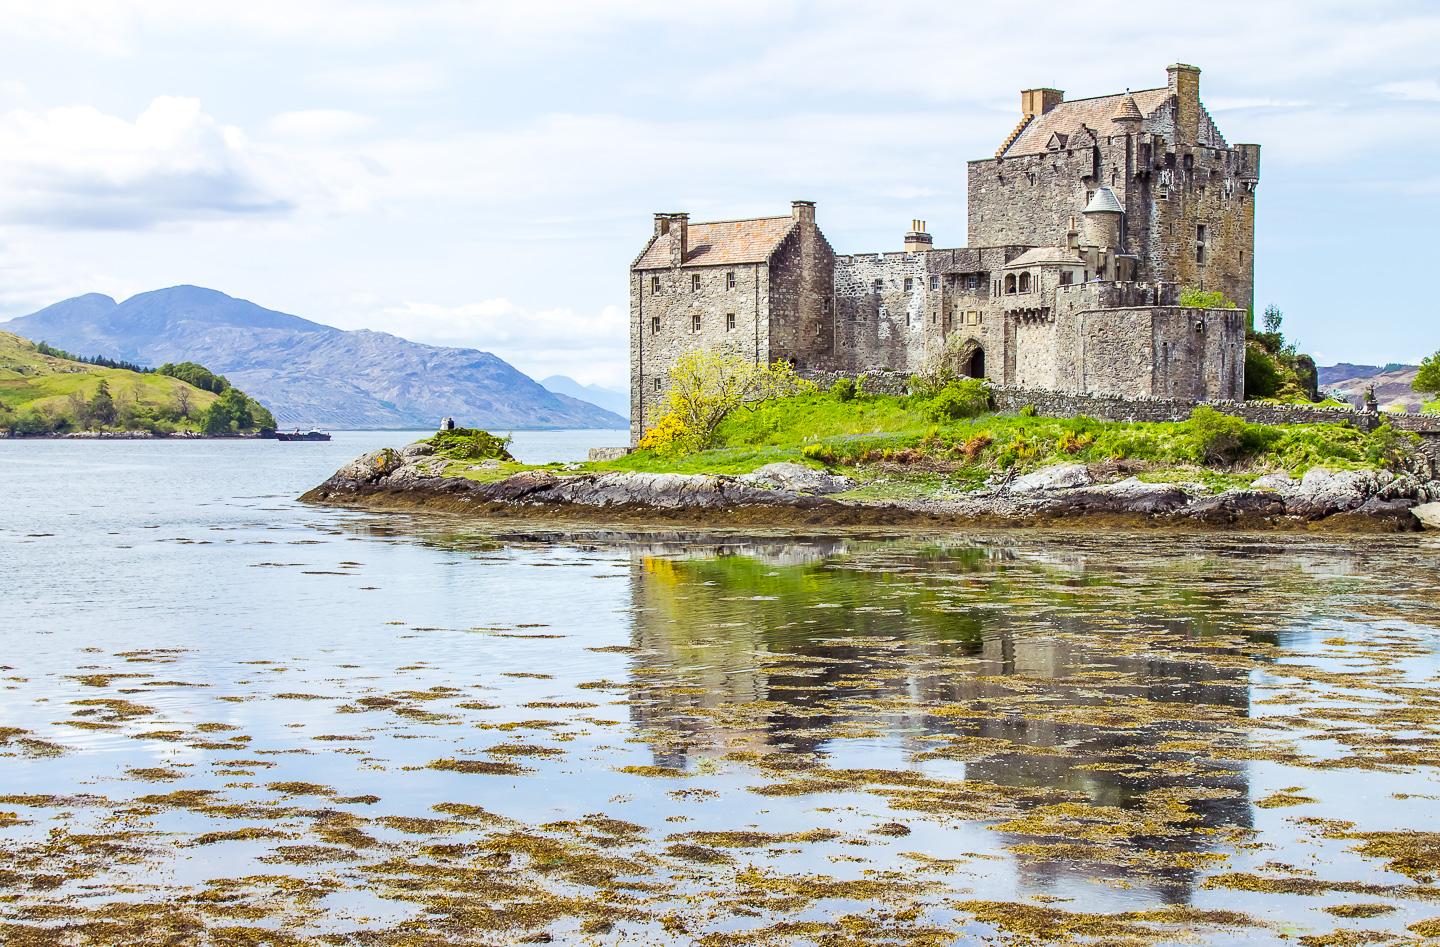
x=907, y=444
x=45, y=393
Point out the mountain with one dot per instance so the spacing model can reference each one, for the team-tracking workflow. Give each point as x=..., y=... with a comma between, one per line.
x=310, y=374
x=607, y=398
x=1392, y=384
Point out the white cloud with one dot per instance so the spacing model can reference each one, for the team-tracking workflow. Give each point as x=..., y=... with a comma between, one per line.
x=78, y=167
x=319, y=124
x=540, y=342
x=1419, y=90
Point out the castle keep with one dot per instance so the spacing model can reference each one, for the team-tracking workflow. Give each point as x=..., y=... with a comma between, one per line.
x=1083, y=228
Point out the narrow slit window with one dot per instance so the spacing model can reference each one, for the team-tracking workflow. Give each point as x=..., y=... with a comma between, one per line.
x=730, y=279
x=730, y=322
x=695, y=322
x=654, y=325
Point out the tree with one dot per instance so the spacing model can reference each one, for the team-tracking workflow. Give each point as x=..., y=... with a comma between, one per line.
x=1427, y=380
x=228, y=414
x=101, y=408
x=705, y=387
x=1273, y=318
x=183, y=401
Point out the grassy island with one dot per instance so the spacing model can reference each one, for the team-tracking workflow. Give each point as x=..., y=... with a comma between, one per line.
x=947, y=440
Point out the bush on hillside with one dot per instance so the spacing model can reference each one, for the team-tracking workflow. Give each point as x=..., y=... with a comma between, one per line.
x=844, y=389
x=1218, y=438
x=962, y=398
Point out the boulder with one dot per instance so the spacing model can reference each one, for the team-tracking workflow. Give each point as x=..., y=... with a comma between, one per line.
x=1234, y=505
x=368, y=468
x=796, y=478
x=1428, y=514
x=417, y=449
x=1325, y=492
x=1056, y=477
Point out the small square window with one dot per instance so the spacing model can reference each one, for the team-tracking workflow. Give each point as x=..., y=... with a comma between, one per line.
x=730, y=280
x=694, y=282
x=730, y=322
x=695, y=322
x=654, y=325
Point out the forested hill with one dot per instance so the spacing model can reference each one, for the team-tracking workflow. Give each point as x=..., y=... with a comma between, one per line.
x=307, y=373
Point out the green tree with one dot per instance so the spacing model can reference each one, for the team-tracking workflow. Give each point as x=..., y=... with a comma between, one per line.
x=100, y=410
x=1427, y=380
x=1273, y=318
x=1262, y=376
x=197, y=375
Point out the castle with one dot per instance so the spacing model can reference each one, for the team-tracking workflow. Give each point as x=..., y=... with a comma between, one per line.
x=1083, y=229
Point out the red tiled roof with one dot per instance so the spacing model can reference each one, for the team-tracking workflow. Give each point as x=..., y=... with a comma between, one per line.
x=1097, y=114
x=722, y=241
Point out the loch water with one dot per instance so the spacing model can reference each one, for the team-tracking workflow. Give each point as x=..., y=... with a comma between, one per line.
x=228, y=717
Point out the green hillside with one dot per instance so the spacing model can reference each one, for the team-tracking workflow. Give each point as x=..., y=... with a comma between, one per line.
x=47, y=394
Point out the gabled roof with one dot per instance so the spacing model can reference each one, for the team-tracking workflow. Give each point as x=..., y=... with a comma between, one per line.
x=1068, y=118
x=722, y=241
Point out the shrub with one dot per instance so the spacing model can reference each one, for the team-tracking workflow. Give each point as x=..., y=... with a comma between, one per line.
x=1018, y=452
x=1217, y=438
x=1262, y=375
x=1427, y=379
x=962, y=398
x=1027, y=411
x=465, y=443
x=1193, y=298
x=1388, y=447
x=669, y=436
x=844, y=389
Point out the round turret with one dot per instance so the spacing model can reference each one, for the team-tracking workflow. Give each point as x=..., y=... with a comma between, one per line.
x=1103, y=216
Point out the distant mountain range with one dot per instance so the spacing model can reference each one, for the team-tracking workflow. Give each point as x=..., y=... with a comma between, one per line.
x=608, y=398
x=310, y=374
x=1392, y=384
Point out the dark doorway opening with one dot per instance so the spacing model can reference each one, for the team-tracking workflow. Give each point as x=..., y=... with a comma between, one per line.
x=976, y=366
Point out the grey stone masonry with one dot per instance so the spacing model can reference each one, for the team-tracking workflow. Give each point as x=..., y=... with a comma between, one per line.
x=1084, y=229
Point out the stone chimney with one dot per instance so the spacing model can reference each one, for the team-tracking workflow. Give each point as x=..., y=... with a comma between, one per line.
x=917, y=239
x=1185, y=93
x=803, y=212
x=673, y=230
x=1035, y=102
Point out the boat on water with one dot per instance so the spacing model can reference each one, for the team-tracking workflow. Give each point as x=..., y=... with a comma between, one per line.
x=298, y=435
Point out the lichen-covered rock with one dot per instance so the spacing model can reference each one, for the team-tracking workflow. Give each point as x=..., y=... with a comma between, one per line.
x=797, y=478
x=1325, y=492
x=1056, y=477
x=370, y=467
x=417, y=449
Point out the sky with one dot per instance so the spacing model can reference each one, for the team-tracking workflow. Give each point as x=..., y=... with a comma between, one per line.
x=482, y=174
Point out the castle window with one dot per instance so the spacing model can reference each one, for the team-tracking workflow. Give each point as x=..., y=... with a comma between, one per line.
x=934, y=283
x=972, y=281
x=730, y=280
x=907, y=317
x=695, y=322
x=909, y=284
x=654, y=325
x=694, y=282
x=1200, y=235
x=657, y=384
x=1066, y=277
x=879, y=285
x=1024, y=283
x=1009, y=284
x=729, y=322
x=654, y=286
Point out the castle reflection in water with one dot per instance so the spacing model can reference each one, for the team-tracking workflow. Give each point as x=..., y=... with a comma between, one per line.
x=785, y=648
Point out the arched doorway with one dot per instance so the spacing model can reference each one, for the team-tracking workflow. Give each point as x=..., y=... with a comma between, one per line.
x=976, y=366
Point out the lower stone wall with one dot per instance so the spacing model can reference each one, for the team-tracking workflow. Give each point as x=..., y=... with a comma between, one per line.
x=1059, y=404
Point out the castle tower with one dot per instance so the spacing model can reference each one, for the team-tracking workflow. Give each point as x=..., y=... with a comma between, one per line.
x=1104, y=218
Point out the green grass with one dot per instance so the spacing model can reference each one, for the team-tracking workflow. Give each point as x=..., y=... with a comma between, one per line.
x=884, y=439
x=30, y=381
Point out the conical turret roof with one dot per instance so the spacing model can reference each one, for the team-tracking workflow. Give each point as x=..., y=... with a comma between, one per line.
x=1104, y=202
x=1127, y=111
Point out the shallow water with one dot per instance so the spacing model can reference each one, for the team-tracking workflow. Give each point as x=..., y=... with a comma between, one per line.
x=231, y=716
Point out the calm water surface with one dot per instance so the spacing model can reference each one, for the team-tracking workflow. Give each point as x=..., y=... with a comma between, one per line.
x=231, y=718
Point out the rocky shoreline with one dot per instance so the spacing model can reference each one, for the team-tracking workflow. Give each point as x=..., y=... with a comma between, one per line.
x=791, y=494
